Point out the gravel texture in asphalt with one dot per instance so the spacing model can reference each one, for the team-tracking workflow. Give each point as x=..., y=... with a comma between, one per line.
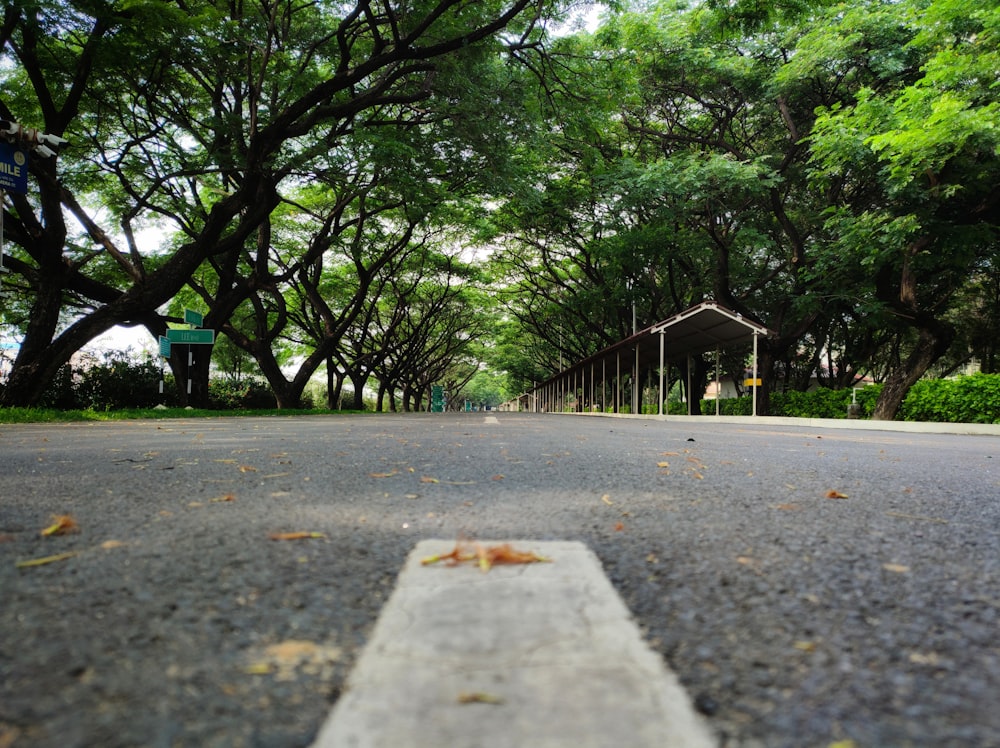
x=808, y=586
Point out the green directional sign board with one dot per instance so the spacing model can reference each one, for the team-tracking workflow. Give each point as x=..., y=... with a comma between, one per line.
x=192, y=317
x=165, y=347
x=437, y=399
x=191, y=337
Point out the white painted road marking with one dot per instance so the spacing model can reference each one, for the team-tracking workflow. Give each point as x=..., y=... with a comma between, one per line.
x=490, y=419
x=547, y=653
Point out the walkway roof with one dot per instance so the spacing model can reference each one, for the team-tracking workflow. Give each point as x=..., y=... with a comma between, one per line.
x=701, y=328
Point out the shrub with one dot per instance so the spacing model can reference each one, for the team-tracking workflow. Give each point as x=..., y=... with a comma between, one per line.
x=729, y=406
x=970, y=399
x=61, y=393
x=239, y=394
x=118, y=381
x=819, y=403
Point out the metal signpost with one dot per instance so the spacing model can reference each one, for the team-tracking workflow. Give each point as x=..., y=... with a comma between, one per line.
x=186, y=337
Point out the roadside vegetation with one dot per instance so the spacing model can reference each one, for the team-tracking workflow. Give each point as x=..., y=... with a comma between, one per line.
x=472, y=195
x=968, y=399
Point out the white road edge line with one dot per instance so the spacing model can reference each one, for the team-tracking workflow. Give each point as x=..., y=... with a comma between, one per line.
x=540, y=655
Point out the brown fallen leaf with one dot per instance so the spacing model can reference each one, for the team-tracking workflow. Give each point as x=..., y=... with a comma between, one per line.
x=788, y=507
x=110, y=544
x=497, y=477
x=220, y=499
x=295, y=535
x=248, y=469
x=479, y=697
x=835, y=495
x=62, y=524
x=619, y=526
x=751, y=563
x=426, y=479
x=45, y=560
x=606, y=498
x=485, y=556
x=382, y=475
x=663, y=464
x=919, y=658
x=897, y=568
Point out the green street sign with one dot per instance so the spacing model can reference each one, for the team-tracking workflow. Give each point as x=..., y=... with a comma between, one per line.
x=437, y=399
x=192, y=317
x=191, y=337
x=165, y=347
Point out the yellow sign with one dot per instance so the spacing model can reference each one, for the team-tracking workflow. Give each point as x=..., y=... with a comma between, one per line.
x=753, y=382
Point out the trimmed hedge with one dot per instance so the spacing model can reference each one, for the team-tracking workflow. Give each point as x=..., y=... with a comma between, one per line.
x=969, y=399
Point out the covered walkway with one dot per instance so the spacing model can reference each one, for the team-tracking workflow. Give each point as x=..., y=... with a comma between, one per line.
x=641, y=363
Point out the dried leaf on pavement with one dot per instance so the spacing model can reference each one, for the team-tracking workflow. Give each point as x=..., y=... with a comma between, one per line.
x=479, y=697
x=62, y=524
x=897, y=568
x=485, y=556
x=295, y=535
x=45, y=560
x=835, y=495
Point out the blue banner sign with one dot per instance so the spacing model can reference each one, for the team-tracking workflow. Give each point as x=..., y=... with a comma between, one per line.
x=13, y=169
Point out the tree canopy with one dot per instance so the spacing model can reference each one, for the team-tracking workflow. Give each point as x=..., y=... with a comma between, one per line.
x=410, y=194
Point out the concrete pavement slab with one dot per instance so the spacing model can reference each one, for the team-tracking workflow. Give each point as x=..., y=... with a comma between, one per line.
x=543, y=654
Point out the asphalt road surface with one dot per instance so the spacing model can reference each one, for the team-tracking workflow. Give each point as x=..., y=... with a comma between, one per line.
x=809, y=587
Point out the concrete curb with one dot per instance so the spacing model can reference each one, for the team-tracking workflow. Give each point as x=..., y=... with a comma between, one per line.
x=911, y=427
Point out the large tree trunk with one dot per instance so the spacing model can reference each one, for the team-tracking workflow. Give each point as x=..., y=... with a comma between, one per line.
x=358, y=380
x=934, y=339
x=334, y=383
x=196, y=373
x=766, y=359
x=34, y=367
